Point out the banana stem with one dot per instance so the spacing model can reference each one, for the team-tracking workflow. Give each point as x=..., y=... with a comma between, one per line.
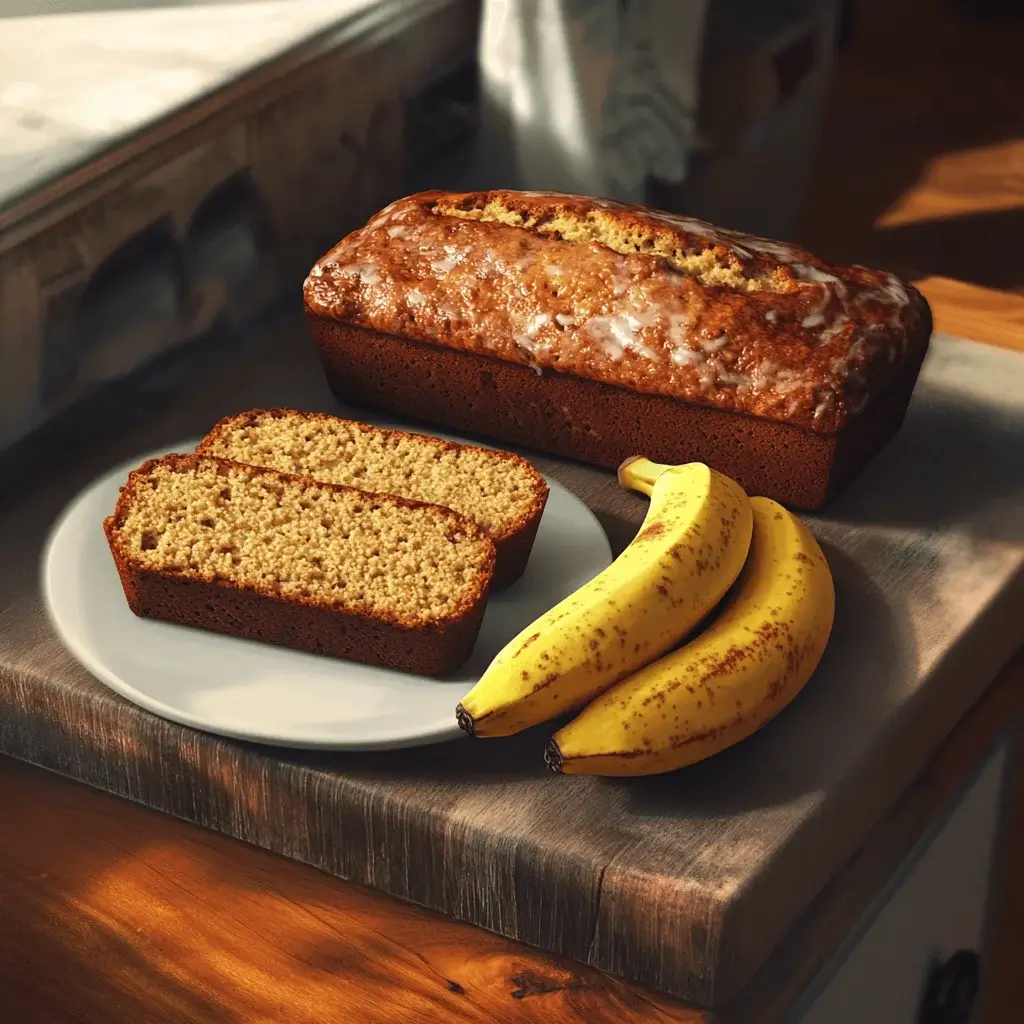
x=640, y=474
x=465, y=720
x=553, y=756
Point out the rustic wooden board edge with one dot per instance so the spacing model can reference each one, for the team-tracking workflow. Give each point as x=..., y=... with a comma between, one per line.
x=960, y=682
x=102, y=755
x=226, y=786
x=98, y=901
x=797, y=961
x=809, y=947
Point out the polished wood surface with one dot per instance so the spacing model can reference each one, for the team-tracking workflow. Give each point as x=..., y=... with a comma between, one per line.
x=114, y=913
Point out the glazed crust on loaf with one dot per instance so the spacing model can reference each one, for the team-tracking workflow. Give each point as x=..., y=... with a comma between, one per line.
x=261, y=612
x=656, y=303
x=513, y=536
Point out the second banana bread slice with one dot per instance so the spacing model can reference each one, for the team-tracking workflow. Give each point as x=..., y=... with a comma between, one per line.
x=500, y=491
x=258, y=554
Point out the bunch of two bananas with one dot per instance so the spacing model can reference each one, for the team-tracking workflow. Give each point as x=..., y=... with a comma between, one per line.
x=613, y=648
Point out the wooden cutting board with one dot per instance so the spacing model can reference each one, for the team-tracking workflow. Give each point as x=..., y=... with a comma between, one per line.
x=684, y=882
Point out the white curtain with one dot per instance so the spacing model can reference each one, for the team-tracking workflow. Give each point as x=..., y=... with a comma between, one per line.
x=589, y=96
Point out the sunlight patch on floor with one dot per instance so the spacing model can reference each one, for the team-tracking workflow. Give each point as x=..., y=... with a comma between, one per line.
x=982, y=179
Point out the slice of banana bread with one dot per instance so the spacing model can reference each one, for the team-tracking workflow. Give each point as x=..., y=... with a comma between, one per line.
x=254, y=553
x=500, y=491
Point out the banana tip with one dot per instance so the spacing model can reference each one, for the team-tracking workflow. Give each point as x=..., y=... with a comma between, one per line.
x=553, y=756
x=465, y=720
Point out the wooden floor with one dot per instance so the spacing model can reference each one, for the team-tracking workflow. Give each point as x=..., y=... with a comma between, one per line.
x=921, y=170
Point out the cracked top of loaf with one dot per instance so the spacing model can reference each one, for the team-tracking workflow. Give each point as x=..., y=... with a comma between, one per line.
x=647, y=300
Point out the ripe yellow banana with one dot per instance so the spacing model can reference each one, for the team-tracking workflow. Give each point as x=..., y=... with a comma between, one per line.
x=754, y=658
x=688, y=552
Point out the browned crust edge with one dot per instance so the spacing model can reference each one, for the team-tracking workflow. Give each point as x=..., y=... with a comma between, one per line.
x=513, y=545
x=257, y=613
x=604, y=424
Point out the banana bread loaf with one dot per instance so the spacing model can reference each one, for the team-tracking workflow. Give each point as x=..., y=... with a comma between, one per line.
x=501, y=492
x=263, y=555
x=597, y=331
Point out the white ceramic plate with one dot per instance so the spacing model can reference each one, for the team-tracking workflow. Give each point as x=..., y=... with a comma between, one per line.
x=253, y=691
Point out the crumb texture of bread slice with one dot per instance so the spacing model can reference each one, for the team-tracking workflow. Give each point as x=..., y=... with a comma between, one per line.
x=323, y=567
x=500, y=491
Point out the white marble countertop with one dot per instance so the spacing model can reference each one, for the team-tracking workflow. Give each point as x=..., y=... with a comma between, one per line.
x=79, y=76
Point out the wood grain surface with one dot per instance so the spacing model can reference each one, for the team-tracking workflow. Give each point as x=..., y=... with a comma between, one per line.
x=196, y=928
x=114, y=914
x=833, y=916
x=684, y=883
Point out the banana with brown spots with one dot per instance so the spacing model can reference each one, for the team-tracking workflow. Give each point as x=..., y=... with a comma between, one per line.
x=753, y=659
x=688, y=552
